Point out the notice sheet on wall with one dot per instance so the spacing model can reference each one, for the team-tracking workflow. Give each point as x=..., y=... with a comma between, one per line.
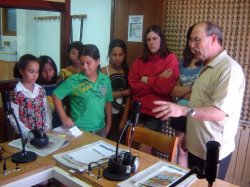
x=135, y=25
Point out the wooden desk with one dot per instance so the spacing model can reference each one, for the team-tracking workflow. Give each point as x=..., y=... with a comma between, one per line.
x=45, y=163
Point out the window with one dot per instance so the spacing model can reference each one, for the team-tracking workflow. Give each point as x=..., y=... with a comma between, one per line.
x=9, y=21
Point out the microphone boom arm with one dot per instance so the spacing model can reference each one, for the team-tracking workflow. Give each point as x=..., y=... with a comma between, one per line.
x=118, y=142
x=22, y=156
x=194, y=170
x=19, y=129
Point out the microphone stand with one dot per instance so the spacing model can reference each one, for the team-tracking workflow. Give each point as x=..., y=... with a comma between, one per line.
x=119, y=169
x=121, y=135
x=194, y=170
x=114, y=171
x=22, y=156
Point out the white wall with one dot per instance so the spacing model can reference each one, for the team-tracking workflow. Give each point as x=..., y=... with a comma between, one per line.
x=50, y=43
x=38, y=37
x=96, y=27
x=43, y=37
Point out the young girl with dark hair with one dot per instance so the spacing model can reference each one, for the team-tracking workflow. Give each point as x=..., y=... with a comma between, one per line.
x=74, y=50
x=90, y=95
x=48, y=80
x=28, y=99
x=48, y=71
x=117, y=70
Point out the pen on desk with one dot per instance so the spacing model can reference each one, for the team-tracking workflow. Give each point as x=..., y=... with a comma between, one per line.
x=99, y=152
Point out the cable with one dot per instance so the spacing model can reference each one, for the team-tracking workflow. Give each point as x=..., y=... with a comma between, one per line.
x=90, y=168
x=4, y=164
x=5, y=171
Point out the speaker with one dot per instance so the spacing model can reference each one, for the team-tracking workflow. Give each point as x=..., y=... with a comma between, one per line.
x=38, y=138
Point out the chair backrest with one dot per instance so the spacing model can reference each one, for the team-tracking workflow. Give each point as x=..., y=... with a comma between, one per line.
x=162, y=142
x=8, y=85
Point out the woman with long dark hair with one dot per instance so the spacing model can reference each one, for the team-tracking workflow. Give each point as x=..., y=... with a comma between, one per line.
x=117, y=70
x=153, y=76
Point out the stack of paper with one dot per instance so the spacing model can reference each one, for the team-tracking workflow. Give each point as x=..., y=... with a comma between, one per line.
x=80, y=158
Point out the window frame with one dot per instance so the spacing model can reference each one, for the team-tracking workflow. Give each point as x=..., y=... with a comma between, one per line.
x=5, y=22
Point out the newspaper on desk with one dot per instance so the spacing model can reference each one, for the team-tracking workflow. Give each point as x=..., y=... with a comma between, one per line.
x=80, y=158
x=55, y=143
x=160, y=174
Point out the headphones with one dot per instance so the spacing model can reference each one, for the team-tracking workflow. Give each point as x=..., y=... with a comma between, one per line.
x=130, y=161
x=38, y=138
x=126, y=164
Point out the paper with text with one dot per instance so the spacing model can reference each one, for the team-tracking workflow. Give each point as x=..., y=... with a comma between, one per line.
x=158, y=175
x=97, y=152
x=79, y=158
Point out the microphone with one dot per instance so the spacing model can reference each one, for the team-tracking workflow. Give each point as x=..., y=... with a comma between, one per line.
x=135, y=113
x=120, y=168
x=23, y=156
x=211, y=165
x=6, y=103
x=212, y=161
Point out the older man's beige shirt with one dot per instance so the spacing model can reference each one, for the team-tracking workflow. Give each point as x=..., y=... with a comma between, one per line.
x=221, y=84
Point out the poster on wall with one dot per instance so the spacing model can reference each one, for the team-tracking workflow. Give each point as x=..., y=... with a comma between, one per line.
x=135, y=25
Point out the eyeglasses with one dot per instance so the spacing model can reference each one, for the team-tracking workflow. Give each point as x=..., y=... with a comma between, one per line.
x=196, y=40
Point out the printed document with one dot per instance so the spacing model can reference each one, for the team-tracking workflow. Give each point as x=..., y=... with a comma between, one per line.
x=160, y=174
x=80, y=158
x=54, y=144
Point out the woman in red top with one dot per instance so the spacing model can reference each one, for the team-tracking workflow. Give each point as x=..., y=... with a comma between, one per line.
x=153, y=76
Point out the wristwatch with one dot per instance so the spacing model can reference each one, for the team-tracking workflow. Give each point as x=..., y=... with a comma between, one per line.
x=190, y=112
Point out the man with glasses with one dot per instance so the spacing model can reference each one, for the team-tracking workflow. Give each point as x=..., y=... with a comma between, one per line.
x=216, y=99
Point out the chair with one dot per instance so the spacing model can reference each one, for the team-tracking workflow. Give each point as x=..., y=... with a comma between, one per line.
x=162, y=142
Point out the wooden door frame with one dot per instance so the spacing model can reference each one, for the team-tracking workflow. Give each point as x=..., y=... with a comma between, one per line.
x=63, y=7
